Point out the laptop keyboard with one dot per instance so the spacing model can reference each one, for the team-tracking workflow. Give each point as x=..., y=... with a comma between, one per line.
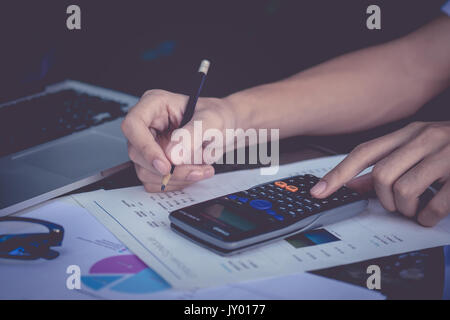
x=55, y=115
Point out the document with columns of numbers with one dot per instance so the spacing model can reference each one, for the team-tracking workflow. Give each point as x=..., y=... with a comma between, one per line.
x=140, y=220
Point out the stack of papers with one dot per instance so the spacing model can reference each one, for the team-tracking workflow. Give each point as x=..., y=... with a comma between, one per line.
x=109, y=271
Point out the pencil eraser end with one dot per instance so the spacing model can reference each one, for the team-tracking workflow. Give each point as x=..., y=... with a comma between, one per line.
x=204, y=66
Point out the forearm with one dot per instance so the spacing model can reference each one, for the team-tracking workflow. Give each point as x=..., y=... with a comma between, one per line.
x=353, y=92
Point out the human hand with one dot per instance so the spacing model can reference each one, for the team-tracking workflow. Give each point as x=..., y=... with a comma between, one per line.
x=405, y=162
x=149, y=126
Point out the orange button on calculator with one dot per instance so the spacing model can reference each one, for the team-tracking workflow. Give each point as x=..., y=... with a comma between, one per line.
x=292, y=188
x=281, y=184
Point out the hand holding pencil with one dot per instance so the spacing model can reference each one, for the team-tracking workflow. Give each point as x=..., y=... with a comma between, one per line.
x=189, y=111
x=150, y=125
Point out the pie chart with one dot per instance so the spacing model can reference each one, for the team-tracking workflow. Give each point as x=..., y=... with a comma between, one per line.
x=125, y=274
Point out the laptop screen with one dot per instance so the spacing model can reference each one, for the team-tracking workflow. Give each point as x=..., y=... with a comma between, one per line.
x=20, y=77
x=30, y=50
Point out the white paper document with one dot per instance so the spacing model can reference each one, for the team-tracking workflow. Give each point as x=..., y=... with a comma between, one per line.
x=109, y=271
x=140, y=221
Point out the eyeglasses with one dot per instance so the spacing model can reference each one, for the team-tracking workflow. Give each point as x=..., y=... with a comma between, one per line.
x=31, y=245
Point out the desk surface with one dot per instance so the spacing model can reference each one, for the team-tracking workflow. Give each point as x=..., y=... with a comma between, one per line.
x=414, y=275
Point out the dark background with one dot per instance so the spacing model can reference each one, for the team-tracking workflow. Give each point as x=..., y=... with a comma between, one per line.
x=133, y=46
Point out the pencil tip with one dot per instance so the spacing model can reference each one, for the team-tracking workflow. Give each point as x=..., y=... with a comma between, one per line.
x=163, y=187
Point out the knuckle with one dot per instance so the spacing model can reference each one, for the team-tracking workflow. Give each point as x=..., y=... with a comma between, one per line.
x=438, y=209
x=416, y=124
x=125, y=125
x=132, y=153
x=129, y=123
x=403, y=189
x=153, y=92
x=435, y=132
x=361, y=148
x=381, y=176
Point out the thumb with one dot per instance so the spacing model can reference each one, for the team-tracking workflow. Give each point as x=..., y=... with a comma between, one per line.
x=362, y=184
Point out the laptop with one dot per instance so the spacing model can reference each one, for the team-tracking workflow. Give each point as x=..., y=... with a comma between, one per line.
x=64, y=137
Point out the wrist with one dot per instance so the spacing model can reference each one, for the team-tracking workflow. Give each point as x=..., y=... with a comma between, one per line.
x=259, y=108
x=239, y=110
x=229, y=113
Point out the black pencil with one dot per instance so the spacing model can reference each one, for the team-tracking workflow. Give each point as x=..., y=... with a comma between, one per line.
x=190, y=109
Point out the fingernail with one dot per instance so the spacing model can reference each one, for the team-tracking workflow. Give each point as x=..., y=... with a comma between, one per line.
x=195, y=176
x=319, y=188
x=160, y=166
x=208, y=173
